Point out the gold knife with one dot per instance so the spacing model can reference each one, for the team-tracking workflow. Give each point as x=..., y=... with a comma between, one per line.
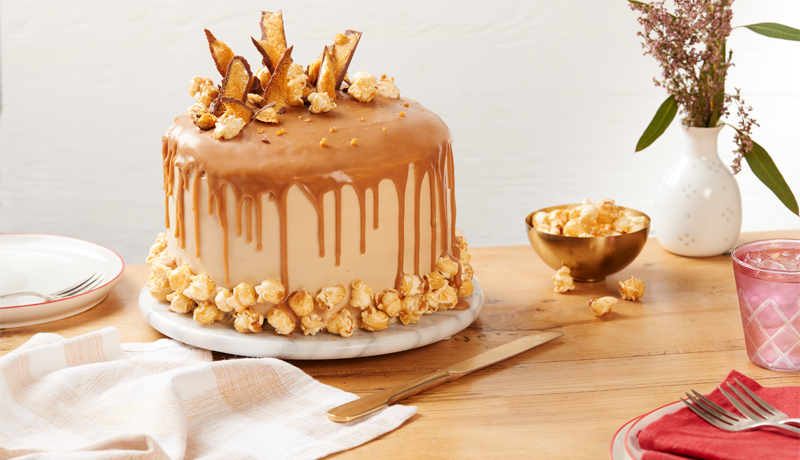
x=369, y=404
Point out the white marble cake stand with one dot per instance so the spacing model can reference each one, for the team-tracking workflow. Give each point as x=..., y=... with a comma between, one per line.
x=224, y=338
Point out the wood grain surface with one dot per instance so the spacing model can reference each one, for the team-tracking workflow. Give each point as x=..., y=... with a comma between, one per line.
x=563, y=400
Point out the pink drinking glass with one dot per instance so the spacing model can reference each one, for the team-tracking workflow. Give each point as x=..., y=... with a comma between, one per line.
x=769, y=301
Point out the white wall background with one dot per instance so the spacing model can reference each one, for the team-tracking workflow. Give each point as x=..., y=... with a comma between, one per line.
x=545, y=101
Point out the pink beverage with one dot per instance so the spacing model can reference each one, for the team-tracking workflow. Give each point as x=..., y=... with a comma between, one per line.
x=768, y=284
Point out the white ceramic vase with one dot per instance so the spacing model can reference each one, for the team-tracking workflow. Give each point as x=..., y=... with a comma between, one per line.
x=698, y=207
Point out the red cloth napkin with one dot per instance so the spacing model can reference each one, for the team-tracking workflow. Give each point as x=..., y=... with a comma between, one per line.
x=683, y=434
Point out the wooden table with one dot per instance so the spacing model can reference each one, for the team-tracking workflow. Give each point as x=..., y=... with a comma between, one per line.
x=564, y=400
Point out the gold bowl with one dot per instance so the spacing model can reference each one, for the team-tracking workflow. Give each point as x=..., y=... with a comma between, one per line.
x=589, y=259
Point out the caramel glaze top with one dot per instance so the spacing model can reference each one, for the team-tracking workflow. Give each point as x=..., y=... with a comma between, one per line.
x=253, y=167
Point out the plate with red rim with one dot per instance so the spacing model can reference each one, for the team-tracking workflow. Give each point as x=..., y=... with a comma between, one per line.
x=46, y=264
x=631, y=437
x=617, y=449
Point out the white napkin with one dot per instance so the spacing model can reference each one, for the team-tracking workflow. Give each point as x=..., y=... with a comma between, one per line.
x=92, y=397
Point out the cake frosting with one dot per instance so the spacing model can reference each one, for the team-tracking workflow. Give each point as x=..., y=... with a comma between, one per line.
x=358, y=200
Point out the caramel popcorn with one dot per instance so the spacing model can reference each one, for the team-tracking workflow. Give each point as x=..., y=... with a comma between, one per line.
x=466, y=288
x=434, y=281
x=410, y=285
x=243, y=296
x=283, y=322
x=331, y=296
x=411, y=312
x=602, y=305
x=159, y=287
x=203, y=91
x=301, y=302
x=389, y=302
x=271, y=291
x=320, y=103
x=361, y=295
x=295, y=82
x=268, y=115
x=387, y=88
x=221, y=299
x=228, y=126
x=429, y=303
x=162, y=266
x=363, y=87
x=447, y=267
x=603, y=218
x=263, y=76
x=179, y=303
x=200, y=288
x=311, y=324
x=467, y=273
x=158, y=248
x=373, y=319
x=341, y=323
x=254, y=99
x=180, y=278
x=562, y=282
x=631, y=289
x=207, y=313
x=447, y=297
x=247, y=320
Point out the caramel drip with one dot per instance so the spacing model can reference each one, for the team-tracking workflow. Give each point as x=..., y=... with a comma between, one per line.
x=454, y=248
x=253, y=169
x=432, y=186
x=258, y=223
x=195, y=212
x=337, y=192
x=461, y=305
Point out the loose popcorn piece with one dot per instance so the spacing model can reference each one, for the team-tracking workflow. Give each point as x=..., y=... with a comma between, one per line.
x=631, y=289
x=331, y=296
x=387, y=88
x=296, y=82
x=389, y=302
x=603, y=218
x=373, y=319
x=361, y=295
x=283, y=321
x=447, y=267
x=410, y=285
x=411, y=312
x=602, y=305
x=311, y=324
x=341, y=323
x=270, y=291
x=342, y=51
x=159, y=287
x=248, y=320
x=200, y=289
x=467, y=273
x=466, y=289
x=179, y=303
x=220, y=52
x=228, y=126
x=243, y=296
x=447, y=297
x=180, y=278
x=562, y=282
x=320, y=103
x=203, y=91
x=207, y=313
x=301, y=302
x=434, y=281
x=363, y=87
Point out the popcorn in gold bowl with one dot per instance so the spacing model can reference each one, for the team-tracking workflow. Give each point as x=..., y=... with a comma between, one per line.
x=593, y=239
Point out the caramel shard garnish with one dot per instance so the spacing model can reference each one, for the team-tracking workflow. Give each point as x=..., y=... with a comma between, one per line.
x=235, y=85
x=266, y=50
x=221, y=52
x=343, y=49
x=313, y=70
x=276, y=91
x=205, y=121
x=239, y=108
x=273, y=33
x=326, y=83
x=268, y=114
